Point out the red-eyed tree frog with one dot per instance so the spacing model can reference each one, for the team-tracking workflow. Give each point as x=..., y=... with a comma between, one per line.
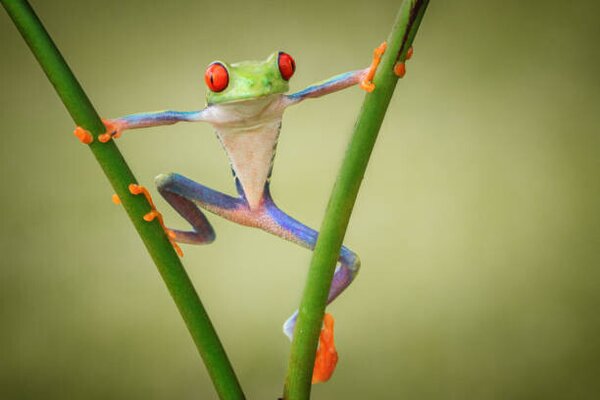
x=245, y=105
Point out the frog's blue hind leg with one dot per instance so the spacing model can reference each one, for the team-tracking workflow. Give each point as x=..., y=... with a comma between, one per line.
x=185, y=196
x=282, y=225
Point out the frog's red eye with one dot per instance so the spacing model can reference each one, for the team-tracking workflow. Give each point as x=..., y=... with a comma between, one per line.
x=216, y=77
x=287, y=66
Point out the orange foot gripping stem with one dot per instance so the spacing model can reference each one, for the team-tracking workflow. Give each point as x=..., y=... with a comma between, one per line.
x=112, y=131
x=367, y=82
x=85, y=137
x=138, y=189
x=327, y=356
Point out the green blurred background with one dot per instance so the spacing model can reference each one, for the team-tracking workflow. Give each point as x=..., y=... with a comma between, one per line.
x=477, y=223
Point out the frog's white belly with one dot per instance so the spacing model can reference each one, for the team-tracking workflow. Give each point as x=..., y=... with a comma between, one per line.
x=251, y=153
x=249, y=131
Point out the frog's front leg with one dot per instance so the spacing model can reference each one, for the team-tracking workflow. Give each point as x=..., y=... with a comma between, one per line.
x=114, y=127
x=331, y=85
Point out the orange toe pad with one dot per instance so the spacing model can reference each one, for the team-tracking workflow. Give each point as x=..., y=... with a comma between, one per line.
x=400, y=69
x=327, y=356
x=84, y=136
x=136, y=189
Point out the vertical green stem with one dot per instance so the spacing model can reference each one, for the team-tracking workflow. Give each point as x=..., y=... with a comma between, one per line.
x=120, y=176
x=343, y=196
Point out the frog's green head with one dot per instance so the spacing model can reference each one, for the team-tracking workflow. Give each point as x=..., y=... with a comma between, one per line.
x=248, y=79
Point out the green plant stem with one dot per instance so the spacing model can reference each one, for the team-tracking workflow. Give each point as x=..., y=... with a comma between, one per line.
x=120, y=176
x=343, y=196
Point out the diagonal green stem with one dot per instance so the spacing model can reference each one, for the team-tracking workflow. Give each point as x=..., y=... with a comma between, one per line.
x=120, y=176
x=343, y=196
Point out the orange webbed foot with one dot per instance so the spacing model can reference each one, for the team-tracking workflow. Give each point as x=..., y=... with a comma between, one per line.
x=153, y=214
x=367, y=82
x=327, y=356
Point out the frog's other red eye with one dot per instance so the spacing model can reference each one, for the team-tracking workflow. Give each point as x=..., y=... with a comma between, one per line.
x=287, y=66
x=216, y=77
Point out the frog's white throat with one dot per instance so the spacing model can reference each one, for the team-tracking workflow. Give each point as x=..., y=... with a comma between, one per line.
x=249, y=136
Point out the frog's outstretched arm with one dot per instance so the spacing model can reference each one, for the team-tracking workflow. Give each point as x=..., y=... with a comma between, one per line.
x=363, y=77
x=330, y=85
x=144, y=120
x=114, y=127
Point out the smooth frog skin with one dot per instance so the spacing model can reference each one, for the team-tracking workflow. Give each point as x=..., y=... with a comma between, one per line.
x=245, y=107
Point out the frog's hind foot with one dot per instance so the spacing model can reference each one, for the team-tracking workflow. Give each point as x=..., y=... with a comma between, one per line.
x=136, y=189
x=327, y=356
